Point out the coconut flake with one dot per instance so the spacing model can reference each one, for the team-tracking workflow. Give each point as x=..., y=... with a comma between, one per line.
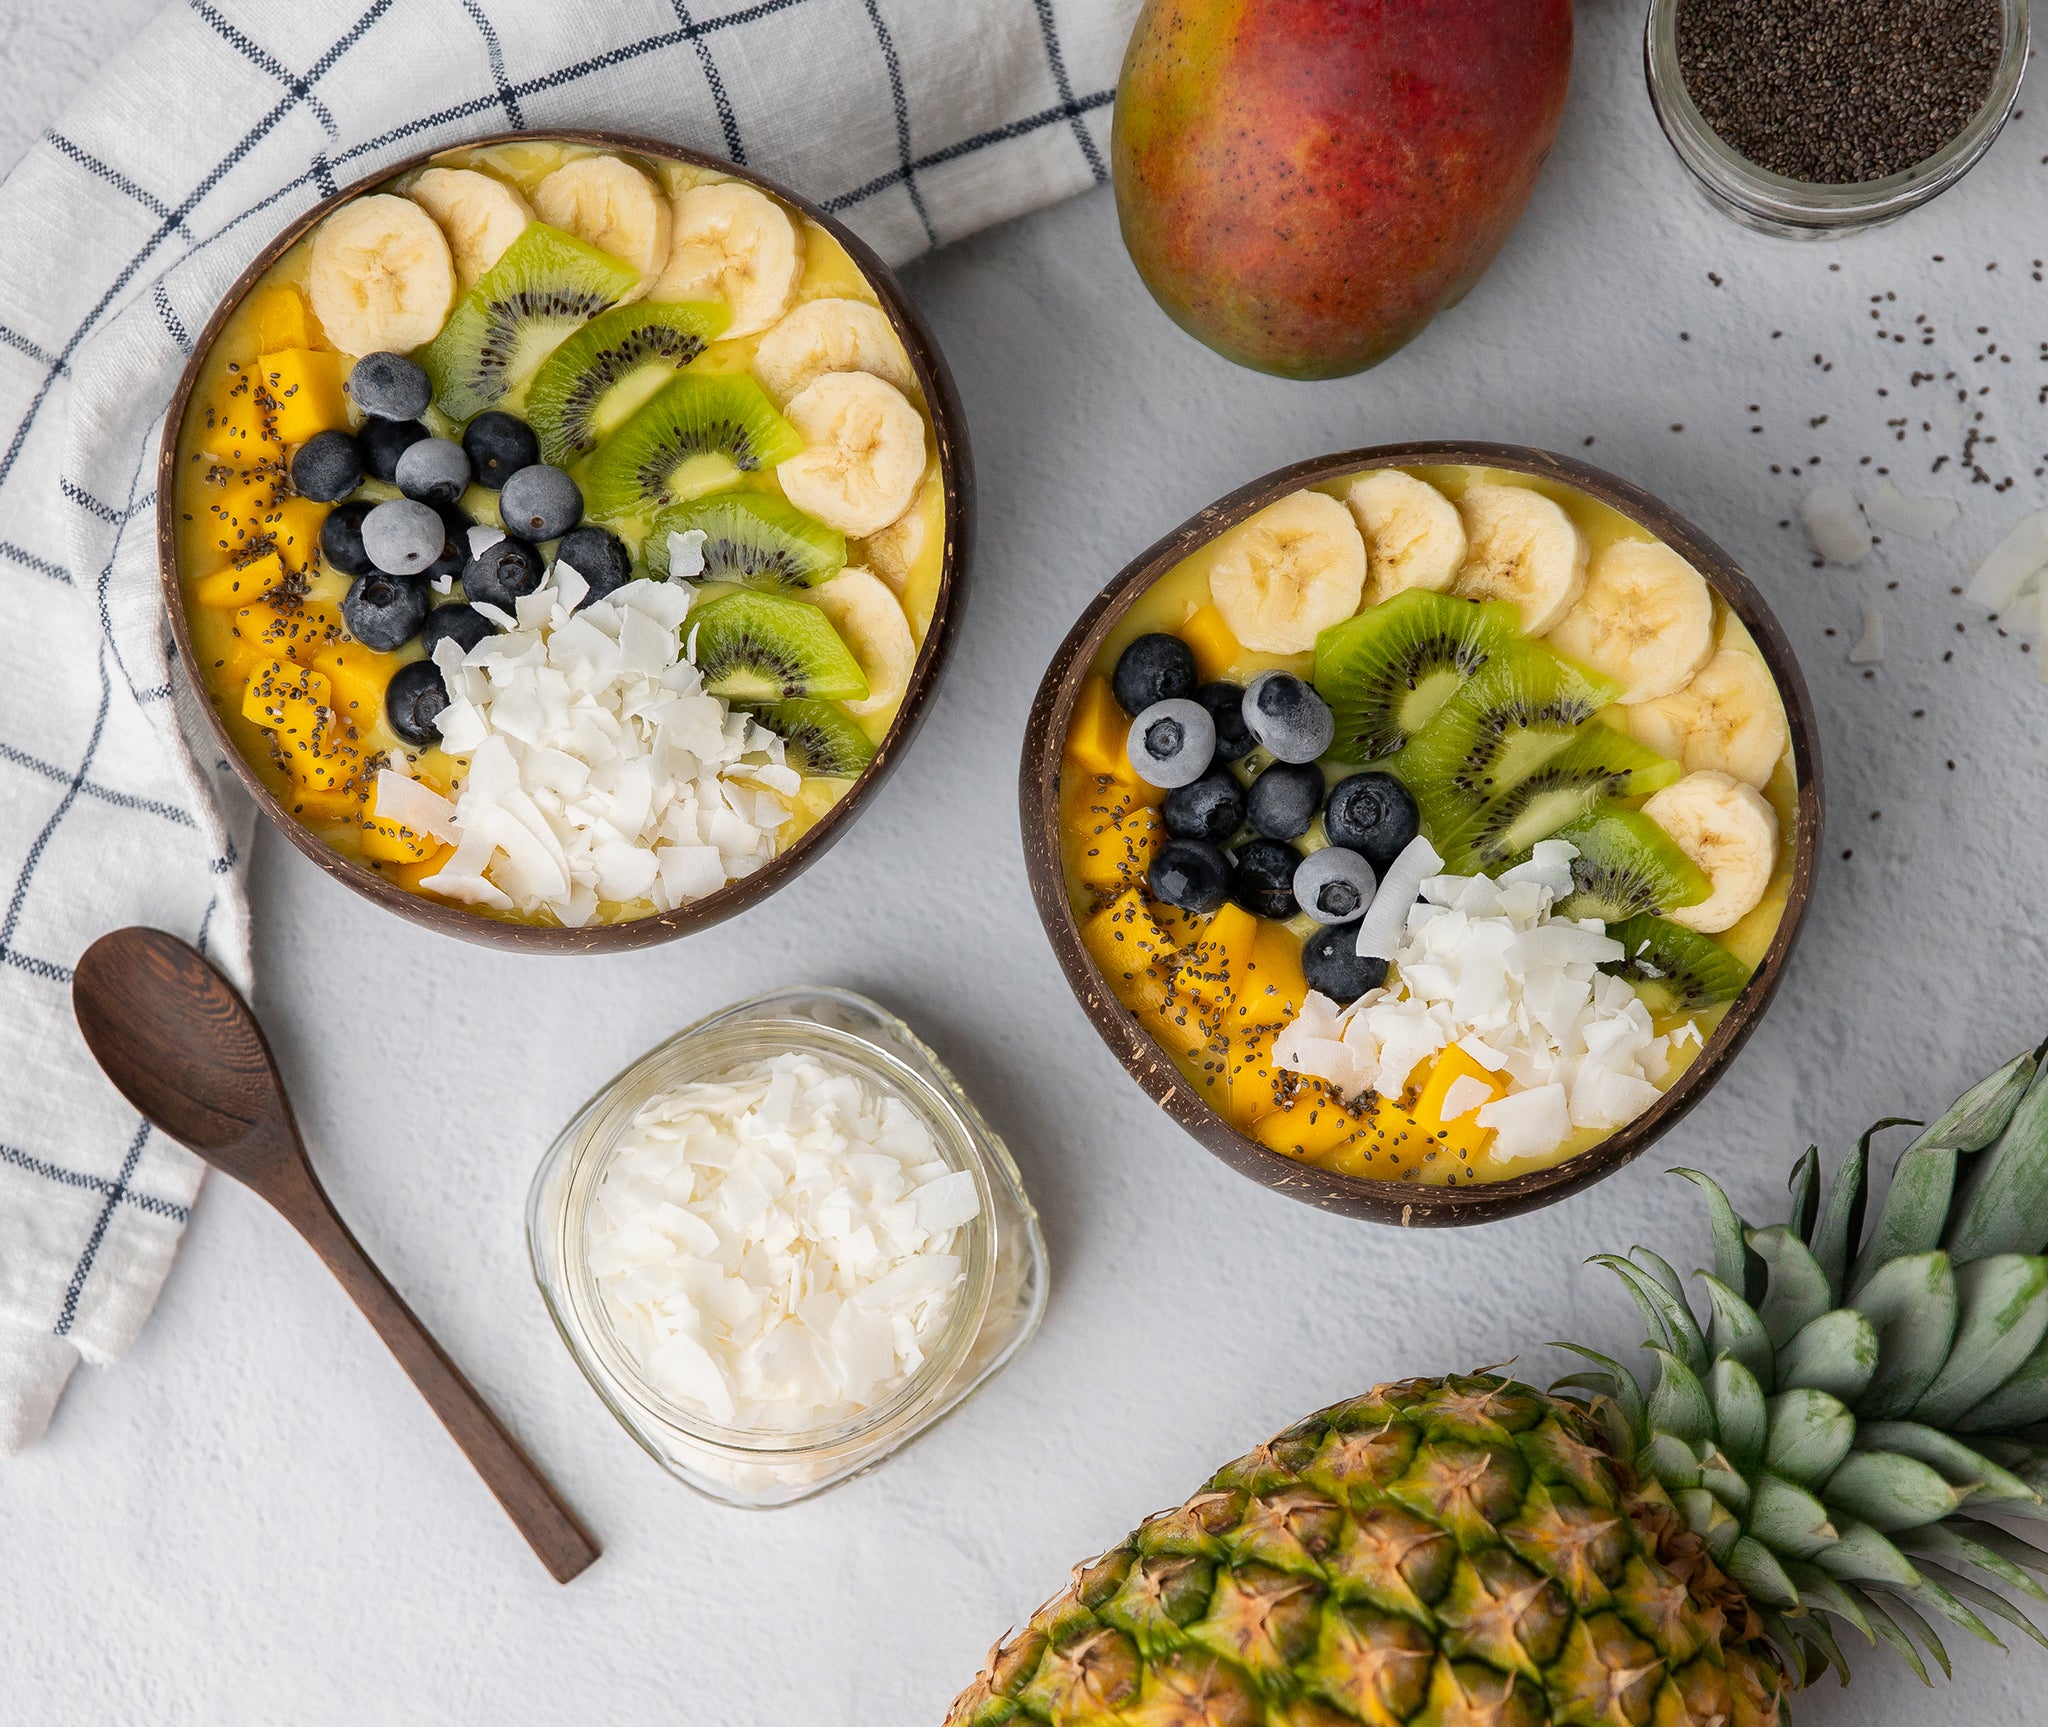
x=1379, y=931
x=1916, y=518
x=686, y=555
x=482, y=537
x=410, y=804
x=1869, y=648
x=2013, y=562
x=1835, y=525
x=1463, y=1095
x=778, y=1247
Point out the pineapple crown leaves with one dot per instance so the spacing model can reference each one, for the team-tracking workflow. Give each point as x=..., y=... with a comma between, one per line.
x=1863, y=1406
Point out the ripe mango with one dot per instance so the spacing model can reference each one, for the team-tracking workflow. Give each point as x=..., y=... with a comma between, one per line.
x=304, y=388
x=1304, y=186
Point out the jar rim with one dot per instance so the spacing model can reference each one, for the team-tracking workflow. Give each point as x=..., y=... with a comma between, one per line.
x=590, y=1143
x=1820, y=206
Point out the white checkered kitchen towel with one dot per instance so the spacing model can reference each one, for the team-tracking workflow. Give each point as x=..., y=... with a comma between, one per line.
x=917, y=121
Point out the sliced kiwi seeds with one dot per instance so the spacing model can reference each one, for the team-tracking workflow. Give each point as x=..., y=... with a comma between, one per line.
x=1387, y=672
x=697, y=434
x=820, y=740
x=1598, y=763
x=753, y=538
x=547, y=286
x=590, y=385
x=1676, y=970
x=1627, y=865
x=755, y=647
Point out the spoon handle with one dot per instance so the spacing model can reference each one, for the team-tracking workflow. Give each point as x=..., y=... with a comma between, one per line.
x=564, y=1546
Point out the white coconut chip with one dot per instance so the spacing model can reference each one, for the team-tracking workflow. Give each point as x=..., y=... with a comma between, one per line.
x=2016, y=560
x=686, y=555
x=599, y=768
x=778, y=1247
x=404, y=800
x=1485, y=965
x=1379, y=931
x=1834, y=525
x=1869, y=648
x=482, y=537
x=1915, y=518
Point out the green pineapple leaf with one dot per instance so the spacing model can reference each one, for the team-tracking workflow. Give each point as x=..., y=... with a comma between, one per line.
x=1810, y=1434
x=1890, y=1492
x=1886, y=1625
x=1913, y=1303
x=1661, y=1310
x=1741, y=1418
x=1678, y=1403
x=1789, y=1520
x=1818, y=1589
x=1864, y=1556
x=1952, y=1459
x=1798, y=1292
x=1737, y=1331
x=1756, y=1568
x=1945, y=1541
x=1836, y=1236
x=1836, y=1353
x=2020, y=1402
x=2003, y=1207
x=2002, y=1317
x=1734, y=1262
x=1914, y=1213
x=1987, y=1600
x=1928, y=1593
x=1804, y=1186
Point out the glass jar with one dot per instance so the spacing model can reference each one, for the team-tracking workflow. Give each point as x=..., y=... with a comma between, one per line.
x=1802, y=209
x=997, y=1308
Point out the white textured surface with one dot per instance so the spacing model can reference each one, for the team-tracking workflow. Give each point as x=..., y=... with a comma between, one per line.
x=253, y=1517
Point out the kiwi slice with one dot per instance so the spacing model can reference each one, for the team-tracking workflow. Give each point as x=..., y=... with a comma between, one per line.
x=1598, y=763
x=1501, y=725
x=1387, y=672
x=819, y=739
x=586, y=388
x=697, y=434
x=547, y=286
x=1626, y=867
x=753, y=538
x=754, y=647
x=1675, y=970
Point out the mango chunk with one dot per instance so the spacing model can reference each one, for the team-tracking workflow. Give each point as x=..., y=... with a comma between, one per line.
x=304, y=388
x=392, y=842
x=1311, y=1122
x=1114, y=836
x=1130, y=950
x=1270, y=986
x=239, y=584
x=1216, y=650
x=324, y=756
x=286, y=628
x=238, y=511
x=294, y=525
x=1257, y=1087
x=1391, y=1146
x=410, y=876
x=1462, y=1135
x=1097, y=732
x=279, y=693
x=280, y=318
x=237, y=422
x=1210, y=971
x=359, y=677
x=343, y=804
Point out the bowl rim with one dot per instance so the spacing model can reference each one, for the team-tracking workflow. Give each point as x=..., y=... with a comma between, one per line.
x=1395, y=1202
x=956, y=477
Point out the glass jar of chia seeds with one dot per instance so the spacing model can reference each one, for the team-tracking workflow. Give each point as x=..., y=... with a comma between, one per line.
x=994, y=1311
x=1827, y=205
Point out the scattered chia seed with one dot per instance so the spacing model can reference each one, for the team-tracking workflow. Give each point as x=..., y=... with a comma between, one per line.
x=1834, y=92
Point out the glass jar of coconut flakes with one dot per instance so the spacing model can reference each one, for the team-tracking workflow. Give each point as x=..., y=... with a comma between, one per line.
x=646, y=1220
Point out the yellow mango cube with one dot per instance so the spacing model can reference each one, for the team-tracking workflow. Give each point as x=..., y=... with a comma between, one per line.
x=359, y=677
x=291, y=629
x=412, y=876
x=1216, y=650
x=304, y=388
x=1211, y=969
x=1462, y=1133
x=236, y=420
x=280, y=318
x=1270, y=986
x=239, y=584
x=294, y=525
x=325, y=756
x=324, y=808
x=1115, y=850
x=278, y=694
x=238, y=511
x=1310, y=1122
x=1129, y=949
x=392, y=842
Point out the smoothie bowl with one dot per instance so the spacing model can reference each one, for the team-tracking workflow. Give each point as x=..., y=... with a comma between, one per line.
x=1425, y=828
x=566, y=532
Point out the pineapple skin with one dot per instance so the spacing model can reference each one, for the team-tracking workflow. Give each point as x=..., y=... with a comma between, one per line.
x=1460, y=1552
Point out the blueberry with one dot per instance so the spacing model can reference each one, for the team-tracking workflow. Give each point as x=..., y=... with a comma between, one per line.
x=454, y=556
x=1334, y=885
x=389, y=387
x=1154, y=668
x=1288, y=717
x=384, y=611
x=1284, y=799
x=501, y=572
x=403, y=537
x=341, y=539
x=599, y=557
x=433, y=471
x=414, y=700
x=540, y=503
x=382, y=442
x=1172, y=743
x=1190, y=874
x=1263, y=881
x=1212, y=808
x=1372, y=814
x=1225, y=702
x=465, y=626
x=498, y=446
x=327, y=467
x=1330, y=963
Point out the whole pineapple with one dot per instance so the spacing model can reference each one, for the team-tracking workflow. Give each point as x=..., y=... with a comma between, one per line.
x=1836, y=1446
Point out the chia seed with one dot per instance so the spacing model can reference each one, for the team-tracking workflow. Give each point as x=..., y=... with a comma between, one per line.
x=1833, y=92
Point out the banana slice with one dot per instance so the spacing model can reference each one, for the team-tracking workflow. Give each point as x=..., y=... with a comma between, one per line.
x=480, y=215
x=893, y=552
x=1727, y=829
x=823, y=336
x=611, y=205
x=1522, y=547
x=871, y=623
x=1728, y=720
x=734, y=244
x=863, y=453
x=1413, y=537
x=1284, y=576
x=380, y=277
x=1645, y=618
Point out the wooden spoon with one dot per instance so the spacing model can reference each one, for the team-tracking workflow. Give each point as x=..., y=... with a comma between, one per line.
x=183, y=1048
